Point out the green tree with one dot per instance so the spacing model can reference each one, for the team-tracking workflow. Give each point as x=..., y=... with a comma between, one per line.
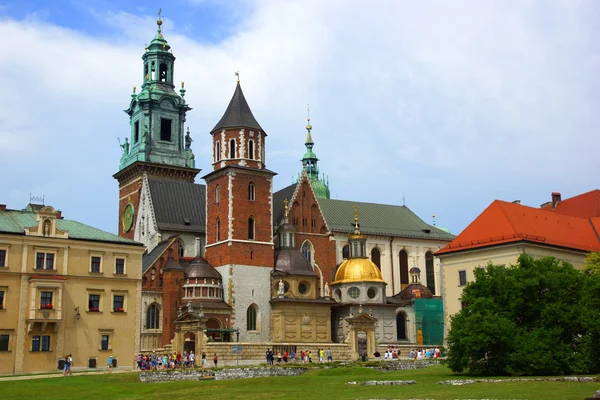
x=532, y=318
x=591, y=264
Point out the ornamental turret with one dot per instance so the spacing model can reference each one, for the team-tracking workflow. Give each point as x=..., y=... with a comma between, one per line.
x=310, y=166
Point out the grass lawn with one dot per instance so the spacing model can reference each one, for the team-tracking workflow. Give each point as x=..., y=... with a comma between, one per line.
x=327, y=384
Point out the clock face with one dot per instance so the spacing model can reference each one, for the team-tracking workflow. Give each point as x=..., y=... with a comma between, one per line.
x=128, y=215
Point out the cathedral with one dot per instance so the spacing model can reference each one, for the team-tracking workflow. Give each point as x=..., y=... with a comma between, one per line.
x=234, y=260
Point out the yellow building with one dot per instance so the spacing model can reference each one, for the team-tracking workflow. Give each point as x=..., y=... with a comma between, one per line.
x=566, y=231
x=65, y=288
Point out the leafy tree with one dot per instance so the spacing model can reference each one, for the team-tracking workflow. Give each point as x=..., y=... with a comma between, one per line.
x=591, y=264
x=538, y=317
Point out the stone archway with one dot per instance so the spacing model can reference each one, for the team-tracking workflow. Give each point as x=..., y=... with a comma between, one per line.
x=361, y=335
x=187, y=324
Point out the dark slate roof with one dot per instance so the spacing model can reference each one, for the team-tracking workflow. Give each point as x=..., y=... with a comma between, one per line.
x=278, y=198
x=171, y=264
x=378, y=219
x=238, y=113
x=178, y=206
x=150, y=258
x=200, y=268
x=291, y=261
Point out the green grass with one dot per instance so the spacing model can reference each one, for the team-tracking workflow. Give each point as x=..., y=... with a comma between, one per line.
x=327, y=384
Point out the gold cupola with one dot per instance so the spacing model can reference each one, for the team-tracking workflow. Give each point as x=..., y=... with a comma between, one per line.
x=358, y=267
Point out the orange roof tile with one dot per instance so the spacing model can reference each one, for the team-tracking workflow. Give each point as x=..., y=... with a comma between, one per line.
x=585, y=205
x=504, y=222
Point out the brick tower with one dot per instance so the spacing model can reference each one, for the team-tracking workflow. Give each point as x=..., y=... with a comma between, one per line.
x=156, y=146
x=239, y=235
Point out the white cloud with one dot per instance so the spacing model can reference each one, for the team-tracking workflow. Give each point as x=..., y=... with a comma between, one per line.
x=452, y=104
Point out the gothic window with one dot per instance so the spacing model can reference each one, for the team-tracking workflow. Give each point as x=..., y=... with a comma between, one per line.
x=217, y=193
x=251, y=228
x=403, y=267
x=251, y=191
x=376, y=257
x=232, y=148
x=218, y=230
x=217, y=151
x=251, y=317
x=251, y=149
x=163, y=72
x=345, y=251
x=165, y=129
x=136, y=132
x=152, y=317
x=429, y=271
x=307, y=251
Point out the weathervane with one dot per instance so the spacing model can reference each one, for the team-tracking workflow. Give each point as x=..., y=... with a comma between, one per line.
x=237, y=74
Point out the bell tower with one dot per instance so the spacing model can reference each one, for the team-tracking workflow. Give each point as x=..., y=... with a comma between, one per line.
x=156, y=145
x=239, y=234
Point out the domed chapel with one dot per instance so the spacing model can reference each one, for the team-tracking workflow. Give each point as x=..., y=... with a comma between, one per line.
x=233, y=261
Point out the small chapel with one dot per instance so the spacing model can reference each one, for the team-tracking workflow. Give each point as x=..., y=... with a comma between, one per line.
x=231, y=260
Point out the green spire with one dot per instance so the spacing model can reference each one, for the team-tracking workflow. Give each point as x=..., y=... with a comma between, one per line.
x=310, y=164
x=157, y=112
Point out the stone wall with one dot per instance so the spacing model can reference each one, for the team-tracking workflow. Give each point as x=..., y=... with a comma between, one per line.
x=219, y=375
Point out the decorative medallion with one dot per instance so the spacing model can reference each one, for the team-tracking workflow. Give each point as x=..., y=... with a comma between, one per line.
x=46, y=314
x=128, y=215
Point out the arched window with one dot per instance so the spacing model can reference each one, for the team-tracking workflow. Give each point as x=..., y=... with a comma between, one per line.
x=403, y=267
x=401, y=326
x=153, y=317
x=251, y=149
x=251, y=228
x=232, y=148
x=217, y=194
x=251, y=317
x=251, y=191
x=163, y=72
x=345, y=251
x=429, y=271
x=218, y=230
x=307, y=251
x=217, y=151
x=376, y=257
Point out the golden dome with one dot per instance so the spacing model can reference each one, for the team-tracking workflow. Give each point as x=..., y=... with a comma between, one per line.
x=358, y=270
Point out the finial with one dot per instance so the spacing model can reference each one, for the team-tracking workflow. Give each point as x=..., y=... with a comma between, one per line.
x=145, y=47
x=308, y=125
x=356, y=217
x=285, y=207
x=159, y=21
x=237, y=74
x=182, y=84
x=433, y=216
x=134, y=89
x=182, y=90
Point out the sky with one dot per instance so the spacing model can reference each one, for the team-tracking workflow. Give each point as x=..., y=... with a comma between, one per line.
x=445, y=106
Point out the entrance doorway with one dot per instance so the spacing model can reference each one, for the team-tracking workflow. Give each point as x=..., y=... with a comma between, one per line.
x=189, y=342
x=401, y=326
x=362, y=344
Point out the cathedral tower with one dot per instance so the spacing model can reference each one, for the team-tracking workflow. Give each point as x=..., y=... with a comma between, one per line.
x=156, y=146
x=310, y=164
x=239, y=235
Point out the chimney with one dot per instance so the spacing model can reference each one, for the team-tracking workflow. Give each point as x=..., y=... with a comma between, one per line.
x=516, y=202
x=2, y=207
x=59, y=214
x=555, y=199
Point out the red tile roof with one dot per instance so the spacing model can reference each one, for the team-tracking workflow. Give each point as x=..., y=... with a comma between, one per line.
x=504, y=222
x=586, y=205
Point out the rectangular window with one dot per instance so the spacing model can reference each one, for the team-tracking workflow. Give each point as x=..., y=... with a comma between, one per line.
x=2, y=258
x=94, y=302
x=165, y=129
x=44, y=261
x=136, y=132
x=4, y=342
x=462, y=278
x=104, y=342
x=40, y=343
x=95, y=264
x=1, y=299
x=46, y=300
x=119, y=303
x=120, y=266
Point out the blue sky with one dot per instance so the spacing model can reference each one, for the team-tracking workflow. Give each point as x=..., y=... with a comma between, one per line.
x=448, y=104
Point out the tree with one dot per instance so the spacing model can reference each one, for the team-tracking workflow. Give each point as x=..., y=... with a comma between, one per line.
x=591, y=264
x=533, y=318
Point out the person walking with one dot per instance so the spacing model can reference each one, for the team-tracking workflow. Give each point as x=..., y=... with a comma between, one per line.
x=110, y=364
x=329, y=355
x=215, y=359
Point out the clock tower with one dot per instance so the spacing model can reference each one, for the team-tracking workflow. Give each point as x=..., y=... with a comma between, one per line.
x=157, y=145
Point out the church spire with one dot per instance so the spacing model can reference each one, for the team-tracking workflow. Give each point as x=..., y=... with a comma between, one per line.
x=310, y=163
x=238, y=113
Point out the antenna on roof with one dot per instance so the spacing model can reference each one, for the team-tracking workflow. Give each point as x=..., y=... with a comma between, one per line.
x=36, y=199
x=403, y=200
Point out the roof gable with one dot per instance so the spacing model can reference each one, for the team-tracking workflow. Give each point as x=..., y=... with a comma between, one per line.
x=178, y=206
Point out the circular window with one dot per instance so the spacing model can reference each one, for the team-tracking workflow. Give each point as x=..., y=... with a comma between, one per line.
x=354, y=292
x=372, y=293
x=303, y=287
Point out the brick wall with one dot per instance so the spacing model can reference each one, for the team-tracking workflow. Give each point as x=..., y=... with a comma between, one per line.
x=129, y=193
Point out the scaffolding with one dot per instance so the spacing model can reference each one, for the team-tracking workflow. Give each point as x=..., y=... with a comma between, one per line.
x=429, y=316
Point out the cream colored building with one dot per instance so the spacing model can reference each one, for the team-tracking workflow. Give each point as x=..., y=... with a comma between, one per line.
x=65, y=288
x=501, y=234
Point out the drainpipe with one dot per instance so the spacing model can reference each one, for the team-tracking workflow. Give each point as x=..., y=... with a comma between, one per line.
x=392, y=263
